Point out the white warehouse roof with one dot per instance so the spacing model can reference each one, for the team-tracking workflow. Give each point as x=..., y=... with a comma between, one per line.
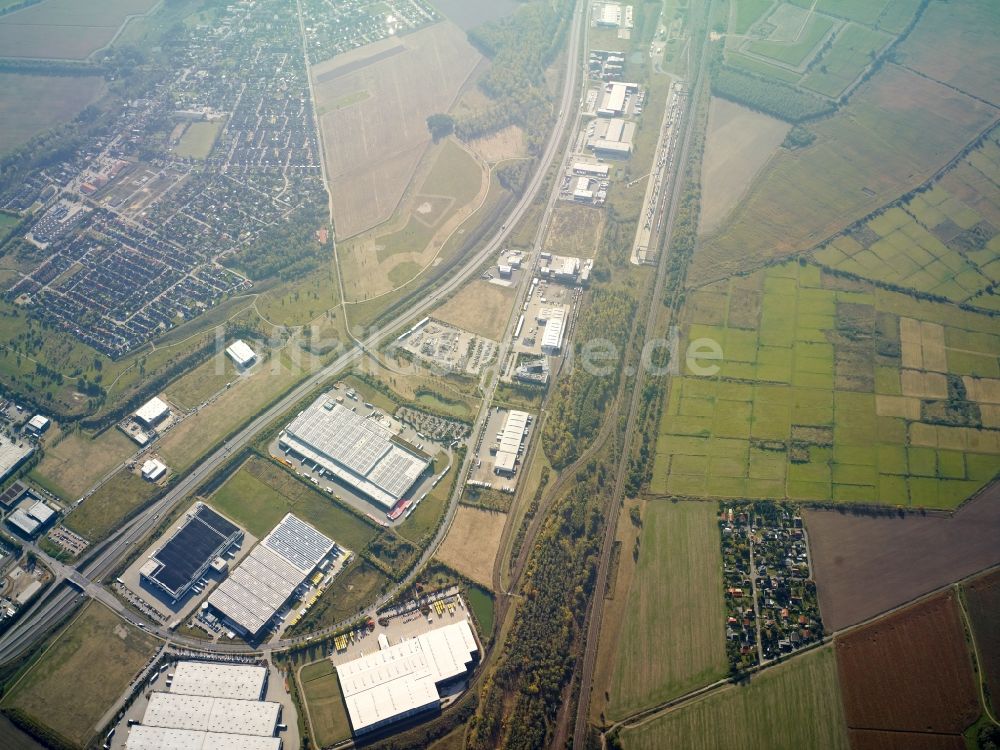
x=153, y=410
x=241, y=353
x=552, y=337
x=159, y=738
x=205, y=714
x=399, y=681
x=153, y=469
x=239, y=681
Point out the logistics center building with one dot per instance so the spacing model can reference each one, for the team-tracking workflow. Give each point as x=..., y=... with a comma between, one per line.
x=355, y=450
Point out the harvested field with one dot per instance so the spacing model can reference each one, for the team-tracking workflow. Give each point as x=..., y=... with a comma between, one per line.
x=30, y=105
x=479, y=307
x=472, y=543
x=575, y=231
x=864, y=566
x=909, y=671
x=790, y=706
x=738, y=144
x=65, y=29
x=870, y=739
x=508, y=143
x=374, y=143
x=982, y=602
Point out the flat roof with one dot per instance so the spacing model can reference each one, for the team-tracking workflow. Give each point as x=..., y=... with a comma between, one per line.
x=38, y=422
x=206, y=714
x=356, y=450
x=591, y=168
x=153, y=410
x=22, y=521
x=141, y=737
x=552, y=336
x=12, y=454
x=614, y=100
x=216, y=680
x=41, y=512
x=12, y=494
x=240, y=352
x=401, y=680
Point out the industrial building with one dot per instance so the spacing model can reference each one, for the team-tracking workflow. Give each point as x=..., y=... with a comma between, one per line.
x=401, y=681
x=189, y=552
x=241, y=354
x=153, y=470
x=509, y=441
x=209, y=706
x=152, y=412
x=613, y=15
x=582, y=192
x=554, y=319
x=37, y=424
x=32, y=519
x=613, y=103
x=612, y=138
x=12, y=454
x=592, y=170
x=268, y=577
x=357, y=451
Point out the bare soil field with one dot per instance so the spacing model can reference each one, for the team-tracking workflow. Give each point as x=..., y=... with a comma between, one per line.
x=873, y=739
x=738, y=144
x=864, y=565
x=479, y=307
x=982, y=600
x=472, y=543
x=65, y=29
x=910, y=671
x=373, y=145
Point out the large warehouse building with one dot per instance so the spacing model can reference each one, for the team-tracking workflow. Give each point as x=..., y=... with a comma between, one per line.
x=612, y=138
x=268, y=577
x=152, y=412
x=401, y=681
x=210, y=707
x=355, y=450
x=176, y=566
x=555, y=325
x=509, y=441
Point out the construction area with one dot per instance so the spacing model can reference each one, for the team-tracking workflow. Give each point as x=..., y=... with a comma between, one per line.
x=448, y=348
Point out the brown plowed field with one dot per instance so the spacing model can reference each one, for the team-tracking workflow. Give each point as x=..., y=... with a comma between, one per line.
x=909, y=671
x=982, y=598
x=864, y=566
x=865, y=739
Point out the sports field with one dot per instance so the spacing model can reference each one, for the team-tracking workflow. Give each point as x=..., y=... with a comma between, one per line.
x=198, y=139
x=71, y=465
x=831, y=390
x=671, y=640
x=88, y=666
x=96, y=516
x=321, y=692
x=790, y=706
x=472, y=543
x=374, y=145
x=30, y=105
x=65, y=29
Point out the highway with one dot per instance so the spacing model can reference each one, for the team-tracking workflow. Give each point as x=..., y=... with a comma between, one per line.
x=62, y=598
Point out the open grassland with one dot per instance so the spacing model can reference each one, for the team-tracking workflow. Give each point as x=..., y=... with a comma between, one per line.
x=672, y=638
x=935, y=242
x=260, y=493
x=96, y=516
x=472, y=543
x=303, y=301
x=480, y=307
x=788, y=707
x=746, y=13
x=373, y=145
x=793, y=43
x=910, y=671
x=574, y=230
x=327, y=713
x=198, y=139
x=851, y=52
x=425, y=518
x=982, y=602
x=73, y=462
x=353, y=589
x=87, y=667
x=831, y=390
x=30, y=105
x=205, y=380
x=898, y=129
x=738, y=144
x=65, y=28
x=913, y=556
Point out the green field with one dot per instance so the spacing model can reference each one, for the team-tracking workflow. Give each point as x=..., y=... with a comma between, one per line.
x=746, y=13
x=96, y=516
x=794, y=50
x=831, y=390
x=7, y=222
x=672, y=640
x=260, y=494
x=327, y=713
x=863, y=11
x=30, y=105
x=788, y=707
x=84, y=671
x=852, y=51
x=424, y=520
x=198, y=139
x=72, y=463
x=482, y=604
x=205, y=380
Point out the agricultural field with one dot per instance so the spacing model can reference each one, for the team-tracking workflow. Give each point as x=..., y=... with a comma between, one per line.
x=198, y=139
x=672, y=636
x=851, y=52
x=65, y=29
x=374, y=143
x=914, y=555
x=472, y=543
x=575, y=231
x=88, y=666
x=803, y=197
x=909, y=671
x=479, y=307
x=738, y=144
x=30, y=105
x=792, y=705
x=936, y=242
x=796, y=34
x=831, y=390
x=391, y=255
x=73, y=462
x=324, y=704
x=982, y=602
x=100, y=513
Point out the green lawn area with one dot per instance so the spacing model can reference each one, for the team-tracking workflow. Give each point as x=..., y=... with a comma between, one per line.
x=198, y=139
x=7, y=222
x=794, y=51
x=482, y=604
x=791, y=706
x=672, y=640
x=100, y=513
x=851, y=52
x=425, y=518
x=87, y=667
x=321, y=692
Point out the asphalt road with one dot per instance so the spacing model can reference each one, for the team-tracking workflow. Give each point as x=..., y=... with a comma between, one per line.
x=62, y=599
